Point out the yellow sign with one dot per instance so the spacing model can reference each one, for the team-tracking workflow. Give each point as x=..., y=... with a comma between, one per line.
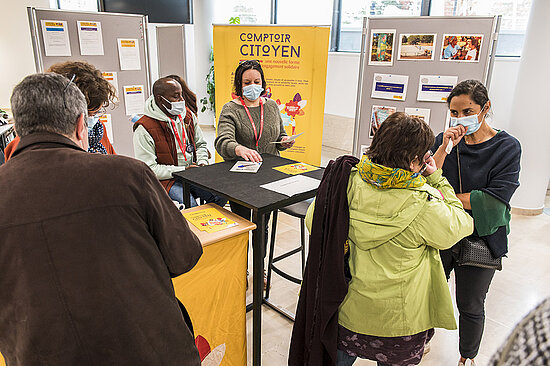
x=297, y=168
x=209, y=220
x=128, y=43
x=294, y=61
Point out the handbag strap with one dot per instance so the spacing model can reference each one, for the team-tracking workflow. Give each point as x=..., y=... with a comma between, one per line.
x=458, y=163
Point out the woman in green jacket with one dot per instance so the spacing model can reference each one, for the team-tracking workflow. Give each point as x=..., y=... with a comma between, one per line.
x=402, y=212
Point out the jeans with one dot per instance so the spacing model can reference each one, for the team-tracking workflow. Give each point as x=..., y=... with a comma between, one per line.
x=472, y=285
x=176, y=193
x=343, y=359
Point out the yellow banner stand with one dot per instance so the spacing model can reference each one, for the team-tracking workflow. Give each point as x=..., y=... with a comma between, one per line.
x=214, y=292
x=294, y=60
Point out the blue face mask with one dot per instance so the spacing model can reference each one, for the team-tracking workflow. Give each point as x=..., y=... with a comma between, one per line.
x=91, y=123
x=471, y=123
x=252, y=92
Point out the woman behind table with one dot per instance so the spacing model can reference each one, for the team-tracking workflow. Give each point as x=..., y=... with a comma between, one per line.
x=489, y=172
x=401, y=213
x=99, y=94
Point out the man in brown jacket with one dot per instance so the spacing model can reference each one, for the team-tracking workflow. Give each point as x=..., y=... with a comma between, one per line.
x=88, y=245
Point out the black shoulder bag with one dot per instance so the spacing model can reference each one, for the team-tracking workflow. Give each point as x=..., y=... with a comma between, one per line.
x=473, y=250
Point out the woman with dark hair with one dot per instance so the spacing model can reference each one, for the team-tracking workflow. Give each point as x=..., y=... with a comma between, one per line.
x=482, y=164
x=398, y=211
x=249, y=124
x=189, y=97
x=99, y=94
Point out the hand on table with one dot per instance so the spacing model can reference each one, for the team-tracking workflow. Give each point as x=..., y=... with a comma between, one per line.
x=248, y=154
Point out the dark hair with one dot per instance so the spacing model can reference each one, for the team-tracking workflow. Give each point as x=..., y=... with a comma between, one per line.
x=47, y=103
x=473, y=88
x=399, y=140
x=189, y=97
x=243, y=66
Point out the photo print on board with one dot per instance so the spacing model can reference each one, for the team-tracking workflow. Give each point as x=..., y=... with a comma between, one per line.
x=417, y=46
x=461, y=47
x=379, y=115
x=382, y=42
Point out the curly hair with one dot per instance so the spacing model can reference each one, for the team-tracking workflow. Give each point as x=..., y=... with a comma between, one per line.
x=400, y=140
x=96, y=89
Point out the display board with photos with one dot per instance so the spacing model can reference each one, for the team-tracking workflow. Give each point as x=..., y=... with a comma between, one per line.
x=410, y=64
x=116, y=44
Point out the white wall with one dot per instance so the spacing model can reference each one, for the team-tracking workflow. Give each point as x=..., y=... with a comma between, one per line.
x=343, y=75
x=17, y=59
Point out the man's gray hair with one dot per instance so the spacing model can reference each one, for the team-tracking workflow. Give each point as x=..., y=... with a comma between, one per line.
x=47, y=103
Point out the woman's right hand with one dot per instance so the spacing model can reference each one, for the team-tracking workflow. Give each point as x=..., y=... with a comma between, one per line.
x=248, y=154
x=455, y=134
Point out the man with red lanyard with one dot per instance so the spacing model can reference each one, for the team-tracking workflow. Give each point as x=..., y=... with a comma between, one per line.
x=168, y=139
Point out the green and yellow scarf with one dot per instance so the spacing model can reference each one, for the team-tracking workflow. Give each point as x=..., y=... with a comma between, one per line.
x=383, y=177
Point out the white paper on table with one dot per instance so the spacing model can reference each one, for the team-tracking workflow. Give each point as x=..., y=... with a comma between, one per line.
x=390, y=86
x=90, y=38
x=246, y=167
x=134, y=99
x=112, y=78
x=106, y=120
x=290, y=139
x=128, y=54
x=422, y=113
x=56, y=38
x=435, y=88
x=293, y=185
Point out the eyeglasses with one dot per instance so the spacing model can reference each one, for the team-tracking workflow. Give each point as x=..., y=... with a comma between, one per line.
x=65, y=91
x=427, y=157
x=249, y=62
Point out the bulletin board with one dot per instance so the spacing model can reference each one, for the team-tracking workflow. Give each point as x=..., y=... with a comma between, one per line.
x=414, y=69
x=113, y=27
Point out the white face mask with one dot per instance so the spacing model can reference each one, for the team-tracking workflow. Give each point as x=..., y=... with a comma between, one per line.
x=176, y=108
x=252, y=91
x=471, y=123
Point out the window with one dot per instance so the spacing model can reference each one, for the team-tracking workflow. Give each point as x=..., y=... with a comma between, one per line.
x=248, y=12
x=304, y=12
x=353, y=12
x=84, y=5
x=515, y=14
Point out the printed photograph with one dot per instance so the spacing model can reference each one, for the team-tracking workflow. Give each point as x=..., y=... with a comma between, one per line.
x=381, y=47
x=416, y=46
x=463, y=48
x=378, y=116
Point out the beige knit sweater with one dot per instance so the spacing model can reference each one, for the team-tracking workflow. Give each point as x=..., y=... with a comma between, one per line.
x=234, y=128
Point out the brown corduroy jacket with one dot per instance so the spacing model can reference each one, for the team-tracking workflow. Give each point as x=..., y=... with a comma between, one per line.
x=88, y=246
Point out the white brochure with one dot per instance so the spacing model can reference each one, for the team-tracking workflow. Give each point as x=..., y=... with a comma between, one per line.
x=90, y=38
x=134, y=98
x=390, y=86
x=435, y=88
x=128, y=54
x=56, y=38
x=293, y=185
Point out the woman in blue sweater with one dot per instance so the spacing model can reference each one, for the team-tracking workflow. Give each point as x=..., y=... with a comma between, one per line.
x=483, y=168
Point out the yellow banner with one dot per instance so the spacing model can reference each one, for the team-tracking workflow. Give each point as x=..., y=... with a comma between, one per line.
x=294, y=61
x=214, y=294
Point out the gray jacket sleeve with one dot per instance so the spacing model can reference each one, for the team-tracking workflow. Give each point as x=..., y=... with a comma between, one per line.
x=225, y=141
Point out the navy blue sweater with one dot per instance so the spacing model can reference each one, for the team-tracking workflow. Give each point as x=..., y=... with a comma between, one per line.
x=492, y=167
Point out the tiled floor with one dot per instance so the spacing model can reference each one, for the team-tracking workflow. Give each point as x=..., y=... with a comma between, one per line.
x=523, y=283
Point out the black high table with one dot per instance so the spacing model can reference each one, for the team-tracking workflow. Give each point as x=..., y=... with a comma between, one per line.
x=244, y=189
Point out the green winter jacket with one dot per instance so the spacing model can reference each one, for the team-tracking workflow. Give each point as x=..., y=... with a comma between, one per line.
x=398, y=285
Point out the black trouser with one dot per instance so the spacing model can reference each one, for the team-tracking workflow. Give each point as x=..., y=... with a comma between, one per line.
x=472, y=285
x=246, y=213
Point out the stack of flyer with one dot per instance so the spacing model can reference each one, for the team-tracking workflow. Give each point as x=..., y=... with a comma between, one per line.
x=209, y=220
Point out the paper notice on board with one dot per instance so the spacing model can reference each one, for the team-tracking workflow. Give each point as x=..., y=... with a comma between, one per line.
x=112, y=78
x=422, y=113
x=390, y=86
x=106, y=120
x=90, y=38
x=56, y=38
x=128, y=54
x=134, y=99
x=435, y=88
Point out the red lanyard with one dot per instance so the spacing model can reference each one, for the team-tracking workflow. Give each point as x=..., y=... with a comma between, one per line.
x=178, y=137
x=252, y=121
